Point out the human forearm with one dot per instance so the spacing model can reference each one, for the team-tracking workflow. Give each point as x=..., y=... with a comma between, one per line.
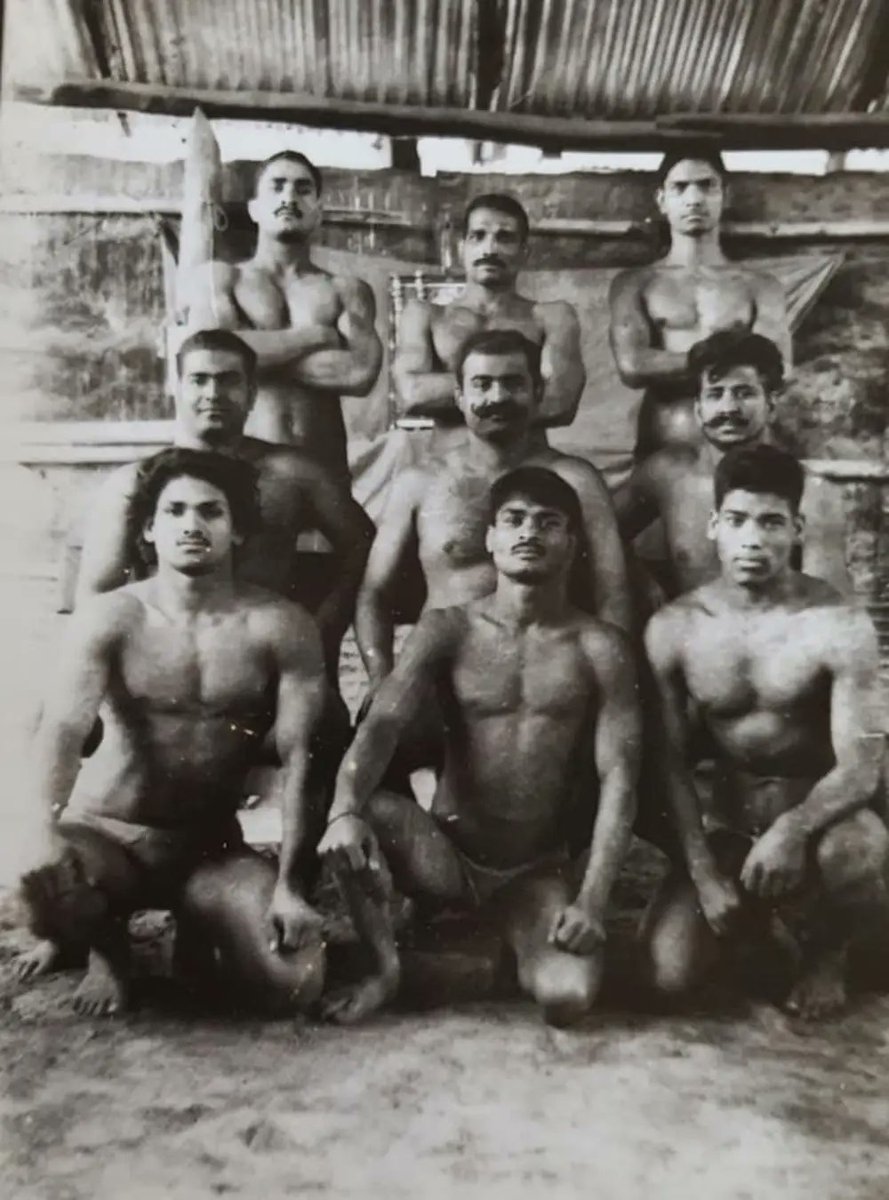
x=841, y=792
x=364, y=765
x=346, y=370
x=283, y=347
x=427, y=394
x=686, y=809
x=57, y=756
x=648, y=367
x=375, y=634
x=292, y=800
x=611, y=840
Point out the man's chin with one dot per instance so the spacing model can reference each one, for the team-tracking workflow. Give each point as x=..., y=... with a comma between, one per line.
x=196, y=570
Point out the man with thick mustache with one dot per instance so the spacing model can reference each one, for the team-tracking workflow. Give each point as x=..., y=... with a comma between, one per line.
x=658, y=312
x=439, y=512
x=540, y=718
x=494, y=249
x=739, y=376
x=313, y=333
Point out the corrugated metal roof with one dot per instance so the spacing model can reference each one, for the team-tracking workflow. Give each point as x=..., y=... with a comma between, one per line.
x=612, y=59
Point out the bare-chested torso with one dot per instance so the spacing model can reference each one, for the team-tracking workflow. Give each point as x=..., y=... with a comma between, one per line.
x=453, y=513
x=681, y=481
x=451, y=324
x=286, y=411
x=761, y=690
x=518, y=706
x=683, y=305
x=186, y=706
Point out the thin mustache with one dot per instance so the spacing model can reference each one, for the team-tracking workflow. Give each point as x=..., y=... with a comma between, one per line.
x=491, y=261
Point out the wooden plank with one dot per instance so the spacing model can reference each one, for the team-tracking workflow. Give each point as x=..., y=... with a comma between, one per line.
x=830, y=131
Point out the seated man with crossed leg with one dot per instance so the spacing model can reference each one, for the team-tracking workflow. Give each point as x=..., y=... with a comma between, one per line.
x=190, y=669
x=782, y=675
x=539, y=707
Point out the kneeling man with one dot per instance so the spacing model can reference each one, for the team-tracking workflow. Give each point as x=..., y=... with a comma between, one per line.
x=783, y=676
x=191, y=669
x=539, y=703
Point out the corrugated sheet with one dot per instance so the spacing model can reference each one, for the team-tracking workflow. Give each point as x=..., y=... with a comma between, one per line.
x=614, y=59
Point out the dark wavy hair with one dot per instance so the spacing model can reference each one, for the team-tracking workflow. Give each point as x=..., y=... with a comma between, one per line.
x=763, y=470
x=542, y=486
x=499, y=341
x=235, y=478
x=718, y=353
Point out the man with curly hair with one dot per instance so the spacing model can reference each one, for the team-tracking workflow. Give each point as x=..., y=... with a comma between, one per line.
x=190, y=669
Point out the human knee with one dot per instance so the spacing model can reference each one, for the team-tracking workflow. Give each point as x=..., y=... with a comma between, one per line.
x=853, y=852
x=566, y=988
x=63, y=900
x=286, y=983
x=673, y=967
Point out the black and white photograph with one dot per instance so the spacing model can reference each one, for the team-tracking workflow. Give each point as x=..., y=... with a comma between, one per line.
x=444, y=582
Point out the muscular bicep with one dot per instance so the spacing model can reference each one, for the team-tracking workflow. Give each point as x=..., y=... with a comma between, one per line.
x=619, y=721
x=562, y=365
x=606, y=564
x=418, y=668
x=772, y=318
x=394, y=536
x=340, y=518
x=211, y=298
x=635, y=504
x=81, y=673
x=423, y=387
x=671, y=696
x=105, y=557
x=856, y=716
x=629, y=329
x=301, y=690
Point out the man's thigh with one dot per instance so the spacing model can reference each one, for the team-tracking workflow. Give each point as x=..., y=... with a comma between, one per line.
x=94, y=879
x=225, y=900
x=423, y=861
x=526, y=910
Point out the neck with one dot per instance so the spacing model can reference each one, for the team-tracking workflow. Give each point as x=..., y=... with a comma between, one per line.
x=483, y=457
x=276, y=255
x=178, y=593
x=525, y=604
x=761, y=595
x=187, y=440
x=703, y=251
x=488, y=296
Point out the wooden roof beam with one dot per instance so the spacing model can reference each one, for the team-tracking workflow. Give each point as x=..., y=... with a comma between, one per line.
x=824, y=131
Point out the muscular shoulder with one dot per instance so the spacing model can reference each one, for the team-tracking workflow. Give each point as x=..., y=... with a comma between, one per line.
x=108, y=617
x=352, y=290
x=843, y=631
x=554, y=314
x=272, y=617
x=631, y=281
x=667, y=632
x=217, y=273
x=607, y=648
x=580, y=473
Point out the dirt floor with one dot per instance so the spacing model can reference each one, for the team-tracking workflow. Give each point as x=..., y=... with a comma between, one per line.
x=476, y=1101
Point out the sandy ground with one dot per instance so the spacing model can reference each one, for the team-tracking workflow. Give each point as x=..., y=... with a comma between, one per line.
x=474, y=1101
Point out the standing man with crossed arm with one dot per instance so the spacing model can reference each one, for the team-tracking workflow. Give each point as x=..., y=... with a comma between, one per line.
x=494, y=249
x=658, y=312
x=313, y=333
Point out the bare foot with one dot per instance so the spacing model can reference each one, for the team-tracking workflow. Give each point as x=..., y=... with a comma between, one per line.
x=821, y=990
x=348, y=1005
x=37, y=961
x=103, y=992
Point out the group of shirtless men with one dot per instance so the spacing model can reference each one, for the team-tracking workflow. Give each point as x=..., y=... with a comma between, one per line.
x=560, y=707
